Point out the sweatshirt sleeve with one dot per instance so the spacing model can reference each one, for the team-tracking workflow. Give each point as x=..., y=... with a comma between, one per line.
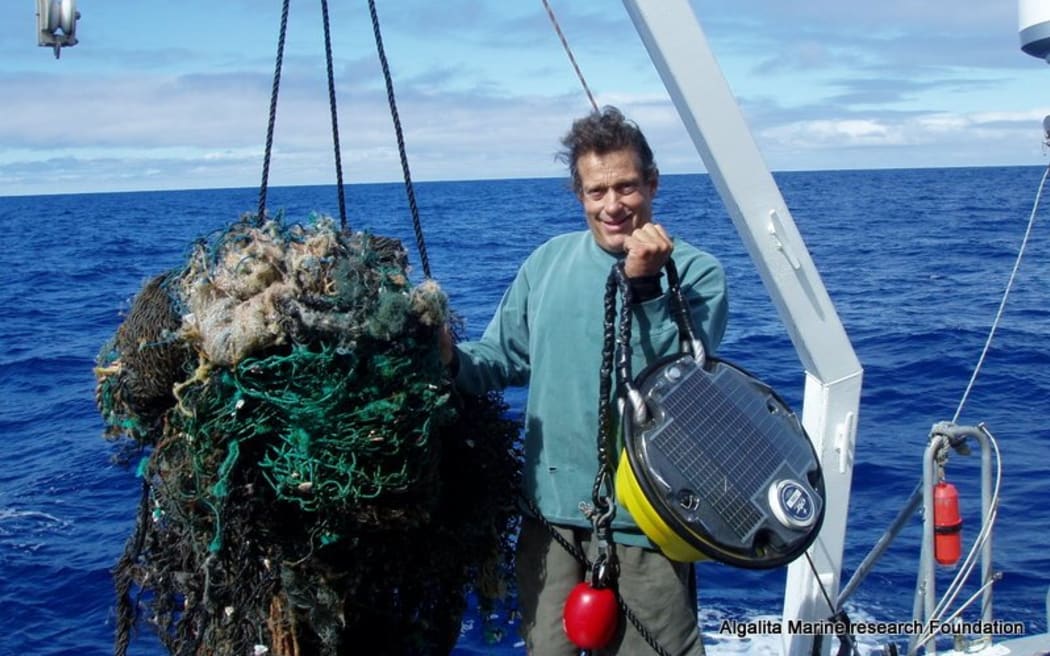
x=501, y=357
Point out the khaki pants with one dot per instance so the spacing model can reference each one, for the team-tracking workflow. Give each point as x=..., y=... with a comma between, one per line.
x=661, y=593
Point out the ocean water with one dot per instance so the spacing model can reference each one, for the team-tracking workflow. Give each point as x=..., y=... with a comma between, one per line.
x=915, y=260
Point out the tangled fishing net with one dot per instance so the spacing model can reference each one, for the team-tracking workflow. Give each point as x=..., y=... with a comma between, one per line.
x=311, y=481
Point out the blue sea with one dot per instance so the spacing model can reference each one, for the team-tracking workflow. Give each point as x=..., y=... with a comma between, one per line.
x=915, y=260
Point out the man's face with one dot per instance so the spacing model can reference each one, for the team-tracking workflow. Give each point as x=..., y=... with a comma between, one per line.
x=616, y=198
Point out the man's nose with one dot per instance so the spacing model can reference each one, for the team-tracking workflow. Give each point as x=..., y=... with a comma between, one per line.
x=613, y=202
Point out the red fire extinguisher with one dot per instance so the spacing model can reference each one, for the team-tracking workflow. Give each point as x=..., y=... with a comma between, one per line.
x=947, y=524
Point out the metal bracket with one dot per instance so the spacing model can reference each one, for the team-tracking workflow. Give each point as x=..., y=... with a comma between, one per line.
x=776, y=228
x=56, y=22
x=845, y=435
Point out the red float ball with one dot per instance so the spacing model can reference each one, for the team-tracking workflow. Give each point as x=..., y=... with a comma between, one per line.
x=590, y=616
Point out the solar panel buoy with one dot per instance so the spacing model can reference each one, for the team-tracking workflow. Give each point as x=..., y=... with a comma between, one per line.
x=721, y=469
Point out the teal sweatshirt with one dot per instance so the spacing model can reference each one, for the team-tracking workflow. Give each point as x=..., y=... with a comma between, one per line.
x=547, y=334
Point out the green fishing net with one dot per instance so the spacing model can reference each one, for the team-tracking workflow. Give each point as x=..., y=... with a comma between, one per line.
x=311, y=482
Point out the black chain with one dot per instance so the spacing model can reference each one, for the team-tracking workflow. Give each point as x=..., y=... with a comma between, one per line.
x=335, y=117
x=400, y=140
x=617, y=281
x=273, y=112
x=623, y=369
x=602, y=492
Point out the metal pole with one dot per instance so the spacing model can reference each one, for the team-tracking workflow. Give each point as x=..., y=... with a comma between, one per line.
x=986, y=515
x=680, y=52
x=910, y=506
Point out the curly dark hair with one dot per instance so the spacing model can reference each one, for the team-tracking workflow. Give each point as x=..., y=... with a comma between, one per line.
x=604, y=132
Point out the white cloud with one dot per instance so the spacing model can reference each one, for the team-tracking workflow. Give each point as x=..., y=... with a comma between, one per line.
x=1027, y=117
x=935, y=124
x=824, y=84
x=834, y=133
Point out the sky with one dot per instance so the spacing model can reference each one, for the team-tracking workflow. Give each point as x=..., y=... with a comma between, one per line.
x=174, y=94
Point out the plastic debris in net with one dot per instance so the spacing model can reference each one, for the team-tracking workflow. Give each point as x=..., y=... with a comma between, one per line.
x=312, y=479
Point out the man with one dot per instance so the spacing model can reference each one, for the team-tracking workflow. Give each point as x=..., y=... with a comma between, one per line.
x=548, y=333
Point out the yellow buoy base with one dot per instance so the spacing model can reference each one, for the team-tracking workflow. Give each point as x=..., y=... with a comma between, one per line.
x=629, y=493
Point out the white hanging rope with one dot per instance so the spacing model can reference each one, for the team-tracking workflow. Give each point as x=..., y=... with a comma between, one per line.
x=1006, y=294
x=568, y=51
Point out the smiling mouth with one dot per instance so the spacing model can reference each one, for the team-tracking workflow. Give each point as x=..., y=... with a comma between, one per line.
x=616, y=225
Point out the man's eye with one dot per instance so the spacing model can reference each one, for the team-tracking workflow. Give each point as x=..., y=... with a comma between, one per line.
x=595, y=194
x=627, y=189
